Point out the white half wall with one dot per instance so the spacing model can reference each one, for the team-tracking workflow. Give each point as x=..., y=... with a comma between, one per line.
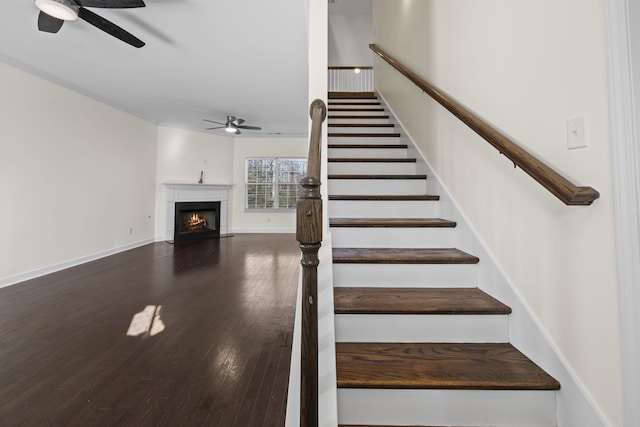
x=77, y=177
x=526, y=67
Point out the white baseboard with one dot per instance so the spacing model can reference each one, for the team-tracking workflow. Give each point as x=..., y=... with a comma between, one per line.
x=262, y=230
x=21, y=277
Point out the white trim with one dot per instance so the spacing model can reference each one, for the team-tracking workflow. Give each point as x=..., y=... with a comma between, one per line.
x=179, y=192
x=625, y=160
x=22, y=277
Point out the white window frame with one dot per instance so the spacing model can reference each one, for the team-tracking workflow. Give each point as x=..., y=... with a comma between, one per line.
x=275, y=183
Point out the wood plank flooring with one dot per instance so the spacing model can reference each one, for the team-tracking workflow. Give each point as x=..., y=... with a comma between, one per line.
x=223, y=358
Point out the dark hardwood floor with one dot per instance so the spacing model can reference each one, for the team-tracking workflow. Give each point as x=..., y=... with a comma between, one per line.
x=227, y=307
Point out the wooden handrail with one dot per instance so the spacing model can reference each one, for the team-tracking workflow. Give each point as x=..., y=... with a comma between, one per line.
x=557, y=184
x=309, y=236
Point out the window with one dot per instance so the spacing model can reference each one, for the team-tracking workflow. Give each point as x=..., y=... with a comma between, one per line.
x=272, y=183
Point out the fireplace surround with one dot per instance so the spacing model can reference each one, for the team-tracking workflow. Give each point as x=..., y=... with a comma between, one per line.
x=201, y=193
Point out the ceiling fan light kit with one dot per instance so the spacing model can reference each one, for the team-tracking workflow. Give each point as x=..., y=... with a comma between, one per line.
x=232, y=125
x=61, y=9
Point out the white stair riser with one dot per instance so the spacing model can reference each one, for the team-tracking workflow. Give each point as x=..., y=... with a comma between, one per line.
x=377, y=186
x=353, y=100
x=332, y=112
x=359, y=120
x=498, y=408
x=387, y=237
x=372, y=167
x=363, y=129
x=384, y=209
x=421, y=328
x=364, y=140
x=405, y=275
x=396, y=153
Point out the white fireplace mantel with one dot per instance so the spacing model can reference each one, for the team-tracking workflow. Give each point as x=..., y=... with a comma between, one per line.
x=177, y=192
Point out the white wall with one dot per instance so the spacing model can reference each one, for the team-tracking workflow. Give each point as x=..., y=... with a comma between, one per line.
x=526, y=67
x=182, y=155
x=350, y=32
x=255, y=221
x=75, y=174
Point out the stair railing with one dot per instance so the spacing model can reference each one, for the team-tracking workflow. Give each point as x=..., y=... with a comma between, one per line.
x=354, y=78
x=558, y=185
x=309, y=236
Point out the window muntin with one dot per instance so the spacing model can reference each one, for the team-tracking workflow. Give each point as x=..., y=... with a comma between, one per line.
x=272, y=183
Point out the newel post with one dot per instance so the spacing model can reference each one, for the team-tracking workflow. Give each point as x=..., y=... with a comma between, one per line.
x=309, y=236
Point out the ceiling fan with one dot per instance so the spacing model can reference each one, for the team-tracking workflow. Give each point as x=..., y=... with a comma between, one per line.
x=53, y=13
x=233, y=125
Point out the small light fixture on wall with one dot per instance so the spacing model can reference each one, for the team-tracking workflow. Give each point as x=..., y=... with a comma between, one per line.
x=356, y=70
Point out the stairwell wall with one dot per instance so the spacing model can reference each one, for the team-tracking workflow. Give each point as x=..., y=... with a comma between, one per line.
x=525, y=67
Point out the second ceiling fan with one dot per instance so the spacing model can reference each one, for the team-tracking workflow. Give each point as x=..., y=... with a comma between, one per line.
x=233, y=125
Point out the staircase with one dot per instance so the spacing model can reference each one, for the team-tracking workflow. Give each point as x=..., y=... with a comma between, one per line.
x=417, y=342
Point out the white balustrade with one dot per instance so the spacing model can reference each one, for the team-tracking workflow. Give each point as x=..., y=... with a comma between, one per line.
x=350, y=79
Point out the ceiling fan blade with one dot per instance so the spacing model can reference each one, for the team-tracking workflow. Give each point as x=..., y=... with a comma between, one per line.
x=238, y=122
x=250, y=127
x=111, y=4
x=49, y=24
x=109, y=27
x=219, y=127
x=213, y=121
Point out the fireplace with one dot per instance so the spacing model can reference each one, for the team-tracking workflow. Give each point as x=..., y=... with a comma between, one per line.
x=196, y=220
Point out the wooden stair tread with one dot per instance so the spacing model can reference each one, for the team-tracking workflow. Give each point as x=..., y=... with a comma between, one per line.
x=352, y=95
x=375, y=176
x=386, y=198
x=353, y=103
x=360, y=125
x=357, y=117
x=331, y=110
x=468, y=366
x=370, y=160
x=402, y=256
x=391, y=146
x=363, y=135
x=391, y=222
x=416, y=301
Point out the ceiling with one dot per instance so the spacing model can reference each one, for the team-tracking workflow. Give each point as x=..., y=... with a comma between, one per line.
x=202, y=59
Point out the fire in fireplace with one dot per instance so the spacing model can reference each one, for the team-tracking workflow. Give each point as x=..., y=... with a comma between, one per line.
x=196, y=220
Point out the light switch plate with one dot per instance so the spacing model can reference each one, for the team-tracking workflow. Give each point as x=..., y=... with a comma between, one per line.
x=577, y=132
